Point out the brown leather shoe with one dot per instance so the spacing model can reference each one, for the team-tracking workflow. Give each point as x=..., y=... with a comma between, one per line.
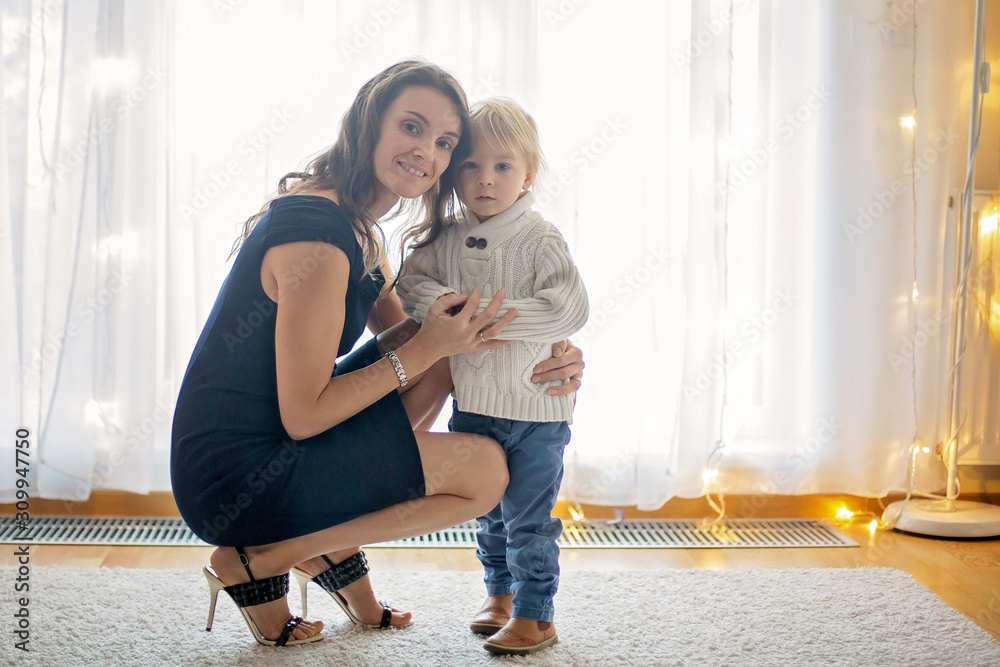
x=488, y=622
x=503, y=643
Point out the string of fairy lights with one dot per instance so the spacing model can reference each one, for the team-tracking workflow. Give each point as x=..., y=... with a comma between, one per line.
x=989, y=224
x=916, y=445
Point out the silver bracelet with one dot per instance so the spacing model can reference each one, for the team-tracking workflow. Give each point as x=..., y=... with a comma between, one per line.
x=400, y=373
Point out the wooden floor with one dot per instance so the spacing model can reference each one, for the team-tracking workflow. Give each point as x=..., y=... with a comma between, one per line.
x=965, y=574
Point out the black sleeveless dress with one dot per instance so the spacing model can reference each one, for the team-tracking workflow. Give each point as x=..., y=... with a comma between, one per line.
x=238, y=478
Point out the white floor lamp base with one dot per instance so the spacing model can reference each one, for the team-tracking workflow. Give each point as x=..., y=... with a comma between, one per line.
x=942, y=518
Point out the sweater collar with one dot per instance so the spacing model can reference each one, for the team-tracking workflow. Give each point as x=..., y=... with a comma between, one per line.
x=502, y=225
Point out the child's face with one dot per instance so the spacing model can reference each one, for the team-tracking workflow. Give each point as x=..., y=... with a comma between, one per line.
x=491, y=179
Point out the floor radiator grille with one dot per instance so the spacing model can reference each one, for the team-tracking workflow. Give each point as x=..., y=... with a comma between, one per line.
x=648, y=534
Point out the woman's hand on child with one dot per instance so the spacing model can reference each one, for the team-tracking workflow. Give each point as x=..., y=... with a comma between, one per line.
x=464, y=331
x=566, y=365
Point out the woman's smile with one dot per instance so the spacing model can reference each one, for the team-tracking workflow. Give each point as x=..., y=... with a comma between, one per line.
x=410, y=169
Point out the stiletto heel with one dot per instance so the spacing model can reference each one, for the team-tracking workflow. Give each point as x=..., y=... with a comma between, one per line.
x=343, y=574
x=303, y=580
x=214, y=586
x=253, y=593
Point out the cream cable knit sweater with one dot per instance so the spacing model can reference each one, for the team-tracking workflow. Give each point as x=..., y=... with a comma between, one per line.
x=528, y=257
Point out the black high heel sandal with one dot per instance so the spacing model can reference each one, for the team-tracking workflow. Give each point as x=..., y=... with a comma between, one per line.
x=252, y=593
x=342, y=574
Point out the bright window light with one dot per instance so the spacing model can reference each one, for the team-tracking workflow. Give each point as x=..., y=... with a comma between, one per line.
x=110, y=74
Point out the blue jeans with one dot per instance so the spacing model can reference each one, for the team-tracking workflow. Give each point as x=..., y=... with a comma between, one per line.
x=517, y=539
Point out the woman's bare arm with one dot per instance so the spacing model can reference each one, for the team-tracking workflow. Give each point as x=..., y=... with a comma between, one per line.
x=309, y=323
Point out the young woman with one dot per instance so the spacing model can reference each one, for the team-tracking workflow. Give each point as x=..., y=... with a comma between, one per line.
x=288, y=460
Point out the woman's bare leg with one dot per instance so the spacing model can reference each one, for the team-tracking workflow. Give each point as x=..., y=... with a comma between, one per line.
x=465, y=476
x=423, y=398
x=424, y=401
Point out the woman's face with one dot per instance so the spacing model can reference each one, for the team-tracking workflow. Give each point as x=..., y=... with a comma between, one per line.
x=419, y=132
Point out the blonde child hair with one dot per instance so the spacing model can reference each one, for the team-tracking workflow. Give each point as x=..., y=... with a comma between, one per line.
x=505, y=120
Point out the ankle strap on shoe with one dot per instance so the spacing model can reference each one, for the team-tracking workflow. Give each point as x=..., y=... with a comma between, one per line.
x=245, y=560
x=344, y=573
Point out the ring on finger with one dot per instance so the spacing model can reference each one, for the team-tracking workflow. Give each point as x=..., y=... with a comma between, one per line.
x=481, y=337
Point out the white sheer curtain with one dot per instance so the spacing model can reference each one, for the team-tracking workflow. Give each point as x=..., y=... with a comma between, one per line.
x=85, y=268
x=769, y=314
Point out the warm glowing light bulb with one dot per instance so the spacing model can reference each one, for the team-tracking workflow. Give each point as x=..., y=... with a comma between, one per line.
x=915, y=293
x=988, y=224
x=844, y=514
x=577, y=516
x=710, y=475
x=909, y=122
x=873, y=526
x=926, y=450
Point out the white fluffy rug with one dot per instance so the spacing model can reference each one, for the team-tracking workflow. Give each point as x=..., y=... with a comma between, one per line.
x=666, y=617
